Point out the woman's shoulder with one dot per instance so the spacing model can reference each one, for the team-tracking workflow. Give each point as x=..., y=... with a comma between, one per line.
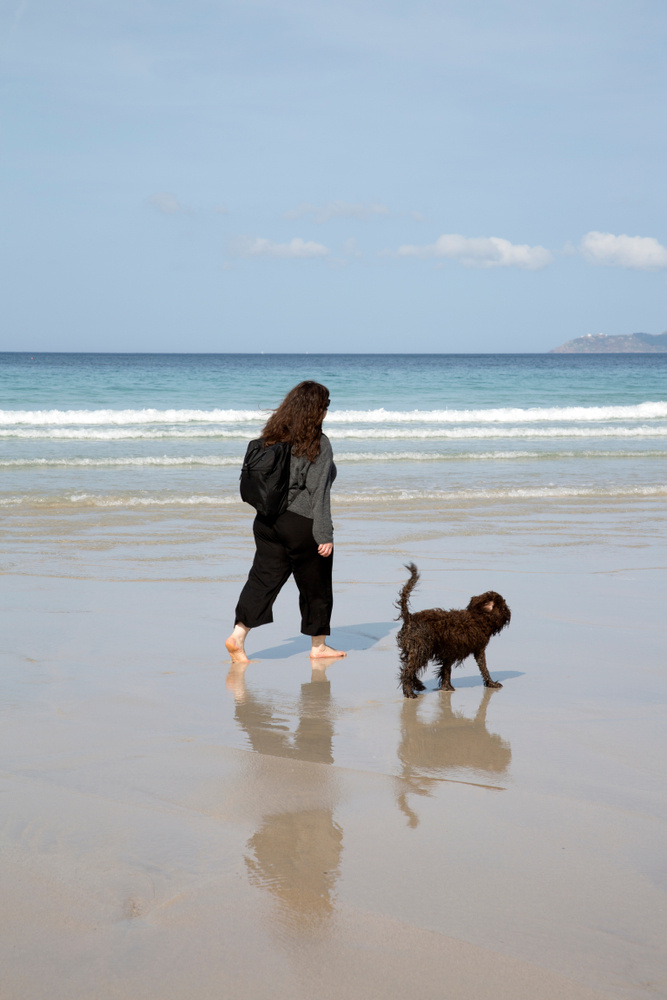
x=325, y=446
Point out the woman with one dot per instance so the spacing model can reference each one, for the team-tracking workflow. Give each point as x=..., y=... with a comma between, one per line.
x=299, y=541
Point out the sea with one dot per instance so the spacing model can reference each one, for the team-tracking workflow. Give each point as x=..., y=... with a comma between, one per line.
x=143, y=776
x=89, y=432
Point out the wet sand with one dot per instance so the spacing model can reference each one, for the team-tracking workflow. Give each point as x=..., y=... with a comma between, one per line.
x=175, y=829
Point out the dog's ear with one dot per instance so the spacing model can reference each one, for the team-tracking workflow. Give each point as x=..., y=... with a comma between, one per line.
x=483, y=602
x=488, y=603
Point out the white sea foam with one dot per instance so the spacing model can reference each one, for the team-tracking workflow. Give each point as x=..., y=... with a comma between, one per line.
x=342, y=434
x=498, y=433
x=137, y=461
x=361, y=457
x=122, y=433
x=463, y=433
x=98, y=500
x=427, y=456
x=378, y=496
x=518, y=493
x=154, y=501
x=512, y=415
x=505, y=415
x=352, y=457
x=69, y=418
x=487, y=456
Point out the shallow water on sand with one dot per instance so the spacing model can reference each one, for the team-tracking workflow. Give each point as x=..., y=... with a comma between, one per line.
x=166, y=820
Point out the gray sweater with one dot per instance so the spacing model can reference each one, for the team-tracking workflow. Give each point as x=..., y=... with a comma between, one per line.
x=310, y=489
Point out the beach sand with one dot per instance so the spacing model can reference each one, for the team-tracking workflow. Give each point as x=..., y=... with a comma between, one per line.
x=173, y=829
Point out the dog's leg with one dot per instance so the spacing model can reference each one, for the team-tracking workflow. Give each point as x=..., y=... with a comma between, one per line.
x=409, y=680
x=407, y=674
x=486, y=676
x=445, y=675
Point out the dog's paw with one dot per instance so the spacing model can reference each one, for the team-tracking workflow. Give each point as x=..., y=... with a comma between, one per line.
x=494, y=684
x=409, y=693
x=447, y=687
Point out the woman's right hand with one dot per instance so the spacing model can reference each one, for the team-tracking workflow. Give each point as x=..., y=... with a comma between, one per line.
x=325, y=549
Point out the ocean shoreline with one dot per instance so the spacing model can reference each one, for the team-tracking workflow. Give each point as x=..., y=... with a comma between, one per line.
x=159, y=804
x=172, y=827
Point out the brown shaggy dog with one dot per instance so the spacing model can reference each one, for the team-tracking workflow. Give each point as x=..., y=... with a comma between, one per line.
x=447, y=637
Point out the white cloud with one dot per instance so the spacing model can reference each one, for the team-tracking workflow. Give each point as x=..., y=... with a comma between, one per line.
x=481, y=251
x=166, y=202
x=337, y=210
x=643, y=253
x=257, y=246
x=351, y=248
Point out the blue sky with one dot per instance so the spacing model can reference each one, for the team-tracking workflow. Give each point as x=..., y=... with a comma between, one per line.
x=291, y=175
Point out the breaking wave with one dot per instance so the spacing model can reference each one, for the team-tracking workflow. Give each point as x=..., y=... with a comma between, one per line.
x=336, y=434
x=352, y=457
x=378, y=496
x=507, y=415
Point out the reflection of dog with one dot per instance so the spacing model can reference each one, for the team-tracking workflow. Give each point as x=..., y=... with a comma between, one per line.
x=447, y=745
x=447, y=637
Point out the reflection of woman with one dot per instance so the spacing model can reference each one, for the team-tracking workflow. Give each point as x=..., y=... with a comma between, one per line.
x=297, y=856
x=296, y=852
x=266, y=728
x=299, y=541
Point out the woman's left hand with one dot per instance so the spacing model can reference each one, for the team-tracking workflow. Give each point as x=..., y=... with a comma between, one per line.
x=325, y=549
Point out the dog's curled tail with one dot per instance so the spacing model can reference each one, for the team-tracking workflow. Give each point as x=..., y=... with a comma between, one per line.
x=404, y=594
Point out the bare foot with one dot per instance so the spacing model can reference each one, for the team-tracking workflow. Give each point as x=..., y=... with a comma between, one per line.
x=235, y=649
x=322, y=652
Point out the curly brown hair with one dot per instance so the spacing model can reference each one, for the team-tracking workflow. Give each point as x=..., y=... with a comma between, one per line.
x=298, y=419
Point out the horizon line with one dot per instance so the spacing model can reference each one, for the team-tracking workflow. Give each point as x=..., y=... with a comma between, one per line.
x=325, y=354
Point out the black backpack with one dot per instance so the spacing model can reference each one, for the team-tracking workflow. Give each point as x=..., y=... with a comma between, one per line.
x=265, y=477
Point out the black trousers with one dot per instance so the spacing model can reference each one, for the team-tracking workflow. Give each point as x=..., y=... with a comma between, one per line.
x=287, y=546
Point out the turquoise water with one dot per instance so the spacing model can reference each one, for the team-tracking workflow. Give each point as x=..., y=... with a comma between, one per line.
x=359, y=381
x=118, y=430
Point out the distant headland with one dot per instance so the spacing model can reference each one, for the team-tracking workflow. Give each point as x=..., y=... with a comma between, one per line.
x=630, y=343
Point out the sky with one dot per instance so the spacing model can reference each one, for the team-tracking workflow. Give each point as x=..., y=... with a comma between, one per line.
x=470, y=176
